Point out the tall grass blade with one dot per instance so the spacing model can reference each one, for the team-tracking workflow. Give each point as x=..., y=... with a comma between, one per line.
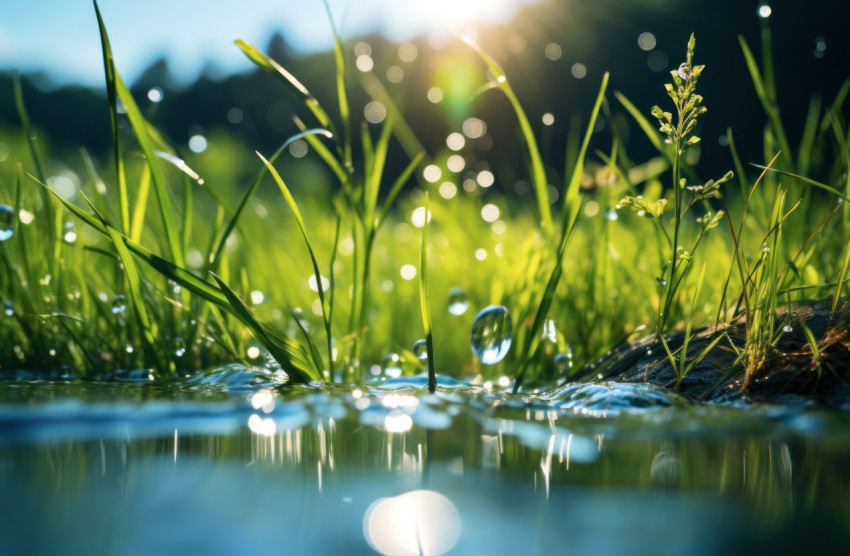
x=572, y=206
x=147, y=326
x=249, y=194
x=264, y=62
x=140, y=209
x=293, y=206
x=344, y=112
x=766, y=93
x=396, y=188
x=401, y=129
x=424, y=303
x=111, y=95
x=802, y=178
x=538, y=171
x=288, y=353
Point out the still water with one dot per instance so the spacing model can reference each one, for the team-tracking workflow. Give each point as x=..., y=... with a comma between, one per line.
x=232, y=462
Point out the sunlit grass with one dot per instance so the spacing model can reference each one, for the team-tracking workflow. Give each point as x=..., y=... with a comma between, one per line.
x=267, y=271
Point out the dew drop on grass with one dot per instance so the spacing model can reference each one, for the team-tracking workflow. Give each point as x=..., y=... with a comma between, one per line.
x=611, y=214
x=119, y=304
x=458, y=301
x=391, y=366
x=179, y=347
x=69, y=234
x=787, y=329
x=7, y=222
x=129, y=348
x=8, y=308
x=420, y=349
x=491, y=334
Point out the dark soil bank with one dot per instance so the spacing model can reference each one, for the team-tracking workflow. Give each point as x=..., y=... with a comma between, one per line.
x=790, y=375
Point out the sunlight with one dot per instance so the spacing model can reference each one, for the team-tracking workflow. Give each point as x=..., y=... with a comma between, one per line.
x=451, y=16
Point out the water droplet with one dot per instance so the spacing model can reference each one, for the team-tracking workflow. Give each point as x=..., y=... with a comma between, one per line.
x=420, y=349
x=391, y=366
x=491, y=334
x=129, y=348
x=175, y=288
x=684, y=71
x=119, y=304
x=458, y=301
x=661, y=281
x=668, y=140
x=7, y=222
x=611, y=214
x=564, y=362
x=70, y=233
x=8, y=308
x=179, y=347
x=787, y=329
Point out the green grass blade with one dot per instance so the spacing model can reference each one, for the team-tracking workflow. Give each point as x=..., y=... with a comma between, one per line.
x=324, y=153
x=249, y=194
x=689, y=325
x=147, y=326
x=571, y=195
x=292, y=360
x=170, y=270
x=140, y=209
x=767, y=99
x=293, y=206
x=342, y=96
x=396, y=188
x=332, y=283
x=312, y=349
x=373, y=179
x=111, y=95
x=736, y=161
x=804, y=157
x=265, y=63
x=842, y=275
x=401, y=129
x=159, y=182
x=813, y=345
x=803, y=179
x=572, y=207
x=538, y=171
x=424, y=304
x=648, y=129
x=26, y=128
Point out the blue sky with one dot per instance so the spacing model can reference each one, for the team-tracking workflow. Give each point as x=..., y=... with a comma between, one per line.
x=61, y=36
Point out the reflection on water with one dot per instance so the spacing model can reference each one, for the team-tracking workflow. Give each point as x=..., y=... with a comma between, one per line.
x=419, y=522
x=249, y=466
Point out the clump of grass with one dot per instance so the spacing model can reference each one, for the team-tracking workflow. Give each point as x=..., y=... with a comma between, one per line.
x=679, y=132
